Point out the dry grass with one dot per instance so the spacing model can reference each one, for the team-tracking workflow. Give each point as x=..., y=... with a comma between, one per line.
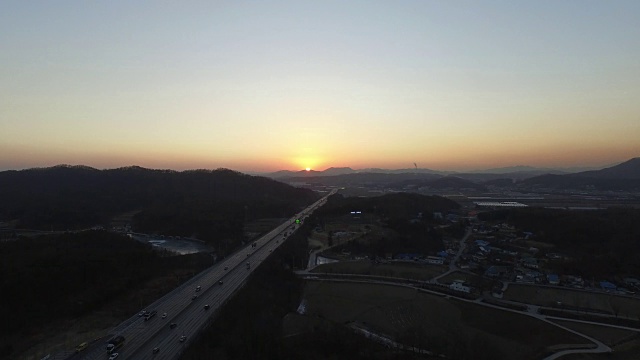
x=629, y=350
x=547, y=296
x=396, y=269
x=608, y=335
x=393, y=311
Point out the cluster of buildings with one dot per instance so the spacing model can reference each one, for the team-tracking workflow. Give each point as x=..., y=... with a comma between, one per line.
x=499, y=252
x=440, y=259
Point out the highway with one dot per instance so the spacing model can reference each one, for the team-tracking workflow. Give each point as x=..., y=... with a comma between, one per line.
x=143, y=336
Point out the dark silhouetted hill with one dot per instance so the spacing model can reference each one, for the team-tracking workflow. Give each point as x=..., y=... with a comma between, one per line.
x=361, y=178
x=629, y=169
x=201, y=202
x=442, y=183
x=502, y=182
x=624, y=176
x=400, y=205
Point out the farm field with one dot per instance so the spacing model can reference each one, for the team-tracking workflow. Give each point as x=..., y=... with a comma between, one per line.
x=548, y=296
x=430, y=322
x=396, y=269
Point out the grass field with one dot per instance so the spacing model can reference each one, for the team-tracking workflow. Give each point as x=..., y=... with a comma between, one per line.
x=608, y=335
x=366, y=267
x=629, y=350
x=434, y=322
x=547, y=296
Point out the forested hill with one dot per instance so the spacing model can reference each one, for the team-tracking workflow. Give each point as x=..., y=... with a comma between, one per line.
x=397, y=205
x=204, y=202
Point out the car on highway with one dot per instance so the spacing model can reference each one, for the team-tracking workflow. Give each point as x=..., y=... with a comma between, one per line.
x=183, y=338
x=226, y=268
x=206, y=307
x=156, y=350
x=150, y=315
x=172, y=325
x=248, y=254
x=164, y=315
x=114, y=356
x=81, y=347
x=194, y=297
x=198, y=288
x=220, y=282
x=142, y=313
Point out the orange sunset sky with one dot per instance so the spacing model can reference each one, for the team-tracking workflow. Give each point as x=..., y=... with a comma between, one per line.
x=265, y=86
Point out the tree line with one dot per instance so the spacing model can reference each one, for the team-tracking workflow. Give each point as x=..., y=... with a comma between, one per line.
x=210, y=204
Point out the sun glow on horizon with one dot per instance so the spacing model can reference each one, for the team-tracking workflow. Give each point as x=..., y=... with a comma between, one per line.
x=308, y=169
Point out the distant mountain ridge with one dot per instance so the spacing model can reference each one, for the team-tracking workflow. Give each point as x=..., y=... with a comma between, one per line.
x=521, y=170
x=619, y=176
x=336, y=171
x=624, y=176
x=629, y=169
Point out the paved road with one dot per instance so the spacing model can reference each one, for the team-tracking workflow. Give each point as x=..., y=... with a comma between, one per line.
x=452, y=265
x=142, y=336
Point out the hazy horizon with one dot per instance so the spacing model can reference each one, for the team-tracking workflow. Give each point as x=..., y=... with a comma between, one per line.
x=255, y=87
x=256, y=172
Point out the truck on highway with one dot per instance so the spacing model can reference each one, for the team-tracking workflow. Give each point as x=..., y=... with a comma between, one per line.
x=115, y=344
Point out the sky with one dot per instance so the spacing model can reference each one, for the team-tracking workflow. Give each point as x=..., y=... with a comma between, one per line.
x=271, y=85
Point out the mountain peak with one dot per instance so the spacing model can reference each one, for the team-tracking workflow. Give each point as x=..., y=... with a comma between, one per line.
x=629, y=169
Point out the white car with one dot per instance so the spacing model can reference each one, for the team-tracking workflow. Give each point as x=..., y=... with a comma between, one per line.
x=183, y=338
x=164, y=315
x=113, y=356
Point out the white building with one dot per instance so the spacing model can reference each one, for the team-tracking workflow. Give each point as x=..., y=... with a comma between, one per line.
x=459, y=285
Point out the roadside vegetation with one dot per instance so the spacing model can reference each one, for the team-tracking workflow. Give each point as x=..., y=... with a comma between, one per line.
x=578, y=300
x=608, y=335
x=60, y=290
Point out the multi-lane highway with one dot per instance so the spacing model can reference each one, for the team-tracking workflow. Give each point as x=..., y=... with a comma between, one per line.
x=155, y=339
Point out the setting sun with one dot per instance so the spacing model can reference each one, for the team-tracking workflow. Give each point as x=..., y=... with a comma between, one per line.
x=308, y=169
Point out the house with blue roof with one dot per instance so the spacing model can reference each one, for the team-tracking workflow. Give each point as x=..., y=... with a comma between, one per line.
x=553, y=279
x=607, y=286
x=482, y=243
x=408, y=256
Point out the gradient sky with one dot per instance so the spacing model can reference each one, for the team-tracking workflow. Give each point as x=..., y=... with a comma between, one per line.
x=269, y=85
